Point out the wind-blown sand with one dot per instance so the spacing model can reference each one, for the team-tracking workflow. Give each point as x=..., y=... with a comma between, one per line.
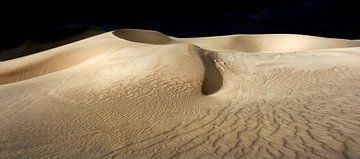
x=142, y=94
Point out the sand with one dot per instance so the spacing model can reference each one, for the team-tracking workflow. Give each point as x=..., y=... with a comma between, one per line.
x=142, y=94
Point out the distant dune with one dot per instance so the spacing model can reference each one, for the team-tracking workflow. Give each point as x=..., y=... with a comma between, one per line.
x=142, y=94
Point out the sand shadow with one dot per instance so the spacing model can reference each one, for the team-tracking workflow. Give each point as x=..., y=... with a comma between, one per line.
x=213, y=79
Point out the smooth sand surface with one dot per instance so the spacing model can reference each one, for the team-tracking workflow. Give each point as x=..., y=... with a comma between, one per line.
x=142, y=94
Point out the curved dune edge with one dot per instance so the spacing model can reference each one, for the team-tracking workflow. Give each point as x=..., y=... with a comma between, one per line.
x=111, y=96
x=59, y=59
x=273, y=43
x=244, y=43
x=142, y=36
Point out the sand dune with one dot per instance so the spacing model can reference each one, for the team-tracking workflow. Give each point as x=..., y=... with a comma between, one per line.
x=142, y=94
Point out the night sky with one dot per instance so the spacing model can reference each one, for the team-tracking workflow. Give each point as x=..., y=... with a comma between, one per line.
x=329, y=18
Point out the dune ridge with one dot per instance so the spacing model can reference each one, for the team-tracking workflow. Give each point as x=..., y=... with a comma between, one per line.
x=142, y=94
x=40, y=44
x=271, y=43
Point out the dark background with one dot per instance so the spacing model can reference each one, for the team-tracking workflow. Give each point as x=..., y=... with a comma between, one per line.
x=329, y=18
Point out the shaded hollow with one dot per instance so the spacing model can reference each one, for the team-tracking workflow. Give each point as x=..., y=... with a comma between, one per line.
x=213, y=80
x=142, y=36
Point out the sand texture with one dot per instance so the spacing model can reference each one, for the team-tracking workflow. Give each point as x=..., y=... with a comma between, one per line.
x=142, y=94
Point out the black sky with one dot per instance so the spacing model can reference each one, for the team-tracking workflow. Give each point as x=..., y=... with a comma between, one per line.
x=329, y=18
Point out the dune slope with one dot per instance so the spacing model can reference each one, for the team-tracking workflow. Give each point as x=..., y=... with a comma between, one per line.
x=141, y=94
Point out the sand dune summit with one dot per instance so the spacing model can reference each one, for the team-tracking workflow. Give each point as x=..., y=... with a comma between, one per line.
x=142, y=94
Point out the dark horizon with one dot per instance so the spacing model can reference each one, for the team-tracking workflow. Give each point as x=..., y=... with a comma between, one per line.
x=327, y=18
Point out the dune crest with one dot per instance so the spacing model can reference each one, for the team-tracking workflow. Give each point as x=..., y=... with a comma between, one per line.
x=142, y=94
